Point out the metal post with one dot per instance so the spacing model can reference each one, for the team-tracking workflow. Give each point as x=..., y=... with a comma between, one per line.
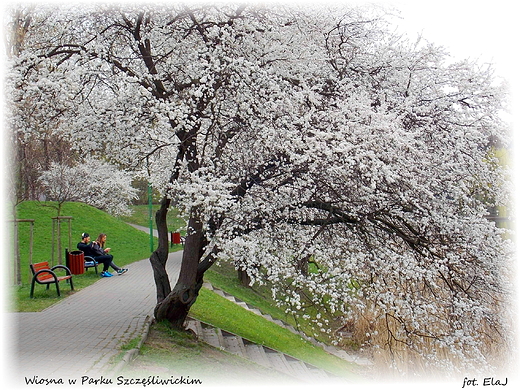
x=16, y=249
x=150, y=213
x=31, y=238
x=17, y=275
x=70, y=233
x=59, y=240
x=53, y=238
x=56, y=226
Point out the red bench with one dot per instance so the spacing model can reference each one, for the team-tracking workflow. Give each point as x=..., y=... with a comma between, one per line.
x=44, y=274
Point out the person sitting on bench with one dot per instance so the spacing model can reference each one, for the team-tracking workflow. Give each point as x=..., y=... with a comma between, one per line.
x=96, y=251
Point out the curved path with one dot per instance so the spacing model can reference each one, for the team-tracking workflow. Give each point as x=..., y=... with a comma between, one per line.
x=81, y=334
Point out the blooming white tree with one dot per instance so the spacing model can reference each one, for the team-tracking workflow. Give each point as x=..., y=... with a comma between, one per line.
x=287, y=136
x=94, y=182
x=41, y=102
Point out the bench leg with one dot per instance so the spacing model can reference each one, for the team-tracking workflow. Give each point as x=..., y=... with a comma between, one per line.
x=48, y=285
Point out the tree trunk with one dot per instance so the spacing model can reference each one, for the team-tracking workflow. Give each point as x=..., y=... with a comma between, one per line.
x=160, y=255
x=176, y=305
x=302, y=265
x=243, y=278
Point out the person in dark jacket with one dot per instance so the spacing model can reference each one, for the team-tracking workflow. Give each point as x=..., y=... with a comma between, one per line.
x=96, y=251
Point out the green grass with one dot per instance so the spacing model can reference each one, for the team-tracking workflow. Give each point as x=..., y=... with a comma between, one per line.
x=224, y=277
x=127, y=245
x=141, y=216
x=218, y=311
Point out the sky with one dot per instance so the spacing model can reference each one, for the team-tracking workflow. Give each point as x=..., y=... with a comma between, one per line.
x=486, y=30
x=483, y=30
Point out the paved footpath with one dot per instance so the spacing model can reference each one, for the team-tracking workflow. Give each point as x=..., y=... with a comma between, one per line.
x=79, y=335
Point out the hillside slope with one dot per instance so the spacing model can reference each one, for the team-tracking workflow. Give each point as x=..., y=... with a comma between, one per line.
x=127, y=243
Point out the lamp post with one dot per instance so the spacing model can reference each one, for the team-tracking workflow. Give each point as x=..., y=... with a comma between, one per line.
x=150, y=212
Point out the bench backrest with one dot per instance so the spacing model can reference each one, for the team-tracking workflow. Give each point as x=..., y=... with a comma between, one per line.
x=41, y=266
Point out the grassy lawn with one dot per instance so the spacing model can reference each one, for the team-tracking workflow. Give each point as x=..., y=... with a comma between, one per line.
x=224, y=277
x=218, y=311
x=141, y=216
x=128, y=245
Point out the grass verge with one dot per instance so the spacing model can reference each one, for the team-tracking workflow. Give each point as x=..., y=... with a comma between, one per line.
x=219, y=312
x=224, y=277
x=127, y=245
x=141, y=216
x=173, y=353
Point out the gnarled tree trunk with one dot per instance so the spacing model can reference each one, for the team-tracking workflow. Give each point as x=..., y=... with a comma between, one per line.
x=160, y=255
x=175, y=306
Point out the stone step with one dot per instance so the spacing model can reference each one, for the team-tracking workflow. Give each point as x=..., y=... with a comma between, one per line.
x=257, y=354
x=330, y=349
x=317, y=374
x=296, y=366
x=212, y=336
x=276, y=360
x=194, y=325
x=244, y=305
x=256, y=311
x=233, y=343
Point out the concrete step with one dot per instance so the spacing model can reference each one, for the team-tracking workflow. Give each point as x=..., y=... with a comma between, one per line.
x=233, y=343
x=297, y=367
x=194, y=326
x=212, y=336
x=256, y=311
x=243, y=304
x=317, y=374
x=277, y=360
x=257, y=354
x=220, y=292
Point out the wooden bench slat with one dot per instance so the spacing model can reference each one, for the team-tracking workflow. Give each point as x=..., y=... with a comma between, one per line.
x=50, y=279
x=44, y=274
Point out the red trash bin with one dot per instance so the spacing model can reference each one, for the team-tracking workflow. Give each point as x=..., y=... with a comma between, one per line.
x=76, y=262
x=176, y=238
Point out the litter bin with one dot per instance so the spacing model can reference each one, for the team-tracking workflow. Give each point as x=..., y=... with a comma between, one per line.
x=76, y=262
x=176, y=238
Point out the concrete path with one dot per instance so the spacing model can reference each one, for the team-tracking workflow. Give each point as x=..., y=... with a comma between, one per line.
x=81, y=334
